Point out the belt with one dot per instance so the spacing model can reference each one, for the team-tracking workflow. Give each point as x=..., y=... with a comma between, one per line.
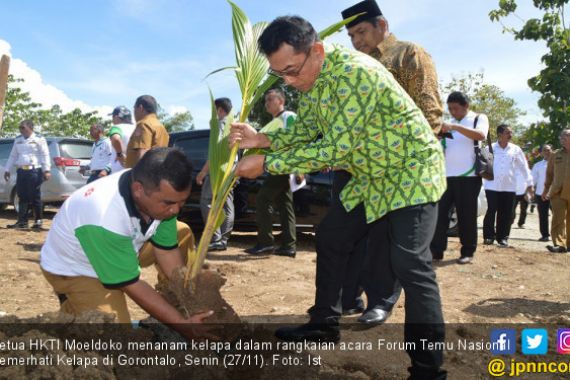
x=28, y=167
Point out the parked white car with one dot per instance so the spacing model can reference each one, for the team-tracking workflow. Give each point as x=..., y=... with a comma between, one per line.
x=68, y=155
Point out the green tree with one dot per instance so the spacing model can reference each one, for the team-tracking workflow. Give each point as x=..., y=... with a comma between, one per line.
x=75, y=123
x=178, y=122
x=488, y=99
x=553, y=82
x=19, y=106
x=52, y=121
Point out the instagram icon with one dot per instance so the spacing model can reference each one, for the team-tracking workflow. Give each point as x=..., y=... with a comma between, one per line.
x=563, y=341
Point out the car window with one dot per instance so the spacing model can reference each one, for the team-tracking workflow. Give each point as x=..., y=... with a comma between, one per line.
x=5, y=149
x=196, y=149
x=75, y=149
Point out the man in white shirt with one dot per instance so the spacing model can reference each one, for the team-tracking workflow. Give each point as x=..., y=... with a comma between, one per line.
x=31, y=155
x=101, y=153
x=501, y=191
x=463, y=184
x=539, y=178
x=120, y=133
x=521, y=200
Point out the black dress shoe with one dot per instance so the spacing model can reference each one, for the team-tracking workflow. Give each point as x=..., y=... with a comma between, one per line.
x=544, y=238
x=37, y=224
x=488, y=241
x=289, y=252
x=217, y=246
x=18, y=225
x=345, y=311
x=556, y=249
x=312, y=332
x=503, y=243
x=353, y=310
x=260, y=249
x=375, y=316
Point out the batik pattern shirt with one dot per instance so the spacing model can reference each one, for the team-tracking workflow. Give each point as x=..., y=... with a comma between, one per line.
x=415, y=71
x=369, y=127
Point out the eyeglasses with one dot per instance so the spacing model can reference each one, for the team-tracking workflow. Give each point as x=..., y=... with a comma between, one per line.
x=289, y=73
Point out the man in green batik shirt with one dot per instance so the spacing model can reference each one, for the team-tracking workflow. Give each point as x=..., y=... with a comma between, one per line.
x=371, y=128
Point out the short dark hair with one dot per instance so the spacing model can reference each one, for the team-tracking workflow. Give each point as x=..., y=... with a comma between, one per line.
x=291, y=30
x=277, y=91
x=27, y=123
x=459, y=98
x=169, y=164
x=147, y=102
x=224, y=103
x=502, y=128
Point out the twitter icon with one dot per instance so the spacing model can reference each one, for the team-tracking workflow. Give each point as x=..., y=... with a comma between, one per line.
x=534, y=341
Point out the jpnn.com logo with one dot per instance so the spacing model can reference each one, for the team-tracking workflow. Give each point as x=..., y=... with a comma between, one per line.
x=503, y=341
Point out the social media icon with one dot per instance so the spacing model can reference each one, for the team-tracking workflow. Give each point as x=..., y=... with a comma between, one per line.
x=563, y=341
x=534, y=341
x=503, y=341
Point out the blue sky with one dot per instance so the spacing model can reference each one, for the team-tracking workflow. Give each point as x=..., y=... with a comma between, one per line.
x=101, y=53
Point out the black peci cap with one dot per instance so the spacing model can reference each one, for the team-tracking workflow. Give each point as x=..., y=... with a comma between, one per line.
x=367, y=6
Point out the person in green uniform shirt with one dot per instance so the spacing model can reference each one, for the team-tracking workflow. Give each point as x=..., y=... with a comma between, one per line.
x=91, y=256
x=371, y=128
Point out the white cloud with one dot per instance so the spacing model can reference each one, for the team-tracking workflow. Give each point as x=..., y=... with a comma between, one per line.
x=44, y=93
x=176, y=109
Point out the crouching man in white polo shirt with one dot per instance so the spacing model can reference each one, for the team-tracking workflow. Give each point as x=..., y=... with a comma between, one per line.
x=91, y=255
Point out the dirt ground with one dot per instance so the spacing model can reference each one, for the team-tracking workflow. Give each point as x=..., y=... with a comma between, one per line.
x=522, y=284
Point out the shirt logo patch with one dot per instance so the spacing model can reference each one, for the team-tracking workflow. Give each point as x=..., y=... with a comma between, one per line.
x=89, y=192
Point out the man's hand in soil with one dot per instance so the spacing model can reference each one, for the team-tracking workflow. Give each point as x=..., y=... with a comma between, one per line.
x=197, y=328
x=154, y=304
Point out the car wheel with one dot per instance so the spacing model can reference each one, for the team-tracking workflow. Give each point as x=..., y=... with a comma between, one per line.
x=453, y=229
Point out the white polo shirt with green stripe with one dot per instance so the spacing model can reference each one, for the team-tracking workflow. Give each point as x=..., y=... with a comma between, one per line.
x=98, y=233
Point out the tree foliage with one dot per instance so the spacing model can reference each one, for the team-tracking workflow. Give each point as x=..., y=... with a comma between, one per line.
x=178, y=122
x=54, y=122
x=488, y=99
x=553, y=82
x=18, y=107
x=51, y=122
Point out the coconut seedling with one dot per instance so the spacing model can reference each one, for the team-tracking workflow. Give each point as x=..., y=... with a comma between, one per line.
x=251, y=73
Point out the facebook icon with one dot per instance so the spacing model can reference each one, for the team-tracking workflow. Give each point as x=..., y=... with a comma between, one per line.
x=503, y=341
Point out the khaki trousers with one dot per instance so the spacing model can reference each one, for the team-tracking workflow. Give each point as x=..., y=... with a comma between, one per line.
x=81, y=293
x=560, y=229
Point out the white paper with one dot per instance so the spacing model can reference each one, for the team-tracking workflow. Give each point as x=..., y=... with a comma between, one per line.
x=294, y=185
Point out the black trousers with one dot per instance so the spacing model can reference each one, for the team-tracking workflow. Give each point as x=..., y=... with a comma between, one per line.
x=520, y=200
x=401, y=237
x=28, y=183
x=366, y=271
x=463, y=193
x=543, y=209
x=500, y=205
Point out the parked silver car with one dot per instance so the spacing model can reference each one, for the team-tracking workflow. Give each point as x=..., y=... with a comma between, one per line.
x=68, y=156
